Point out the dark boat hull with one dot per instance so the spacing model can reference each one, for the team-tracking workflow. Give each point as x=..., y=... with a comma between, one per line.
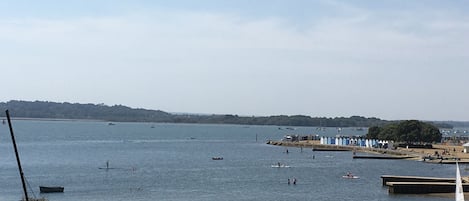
x=51, y=189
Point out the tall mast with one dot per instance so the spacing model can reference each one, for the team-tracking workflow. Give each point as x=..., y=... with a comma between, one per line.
x=17, y=156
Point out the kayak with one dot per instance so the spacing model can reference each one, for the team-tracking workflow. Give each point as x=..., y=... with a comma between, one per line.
x=350, y=177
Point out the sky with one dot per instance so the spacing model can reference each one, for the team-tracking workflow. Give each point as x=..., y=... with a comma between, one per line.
x=392, y=60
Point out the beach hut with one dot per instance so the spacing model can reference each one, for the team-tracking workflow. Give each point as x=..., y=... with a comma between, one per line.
x=466, y=147
x=362, y=143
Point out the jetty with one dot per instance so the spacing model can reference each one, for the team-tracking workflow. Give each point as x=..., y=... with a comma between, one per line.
x=421, y=185
x=447, y=160
x=394, y=178
x=383, y=157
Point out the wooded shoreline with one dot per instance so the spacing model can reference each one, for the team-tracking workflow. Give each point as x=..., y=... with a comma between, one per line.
x=120, y=113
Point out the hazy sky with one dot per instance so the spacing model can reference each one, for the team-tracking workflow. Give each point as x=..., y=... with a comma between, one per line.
x=396, y=59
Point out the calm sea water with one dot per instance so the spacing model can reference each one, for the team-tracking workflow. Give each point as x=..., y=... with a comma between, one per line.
x=172, y=162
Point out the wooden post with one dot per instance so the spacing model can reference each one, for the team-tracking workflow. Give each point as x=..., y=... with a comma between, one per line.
x=17, y=156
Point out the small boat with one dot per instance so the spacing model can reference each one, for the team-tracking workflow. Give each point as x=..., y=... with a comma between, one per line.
x=217, y=158
x=34, y=199
x=280, y=166
x=51, y=189
x=350, y=177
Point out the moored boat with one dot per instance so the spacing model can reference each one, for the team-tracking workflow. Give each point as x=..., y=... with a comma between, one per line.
x=350, y=177
x=280, y=165
x=51, y=189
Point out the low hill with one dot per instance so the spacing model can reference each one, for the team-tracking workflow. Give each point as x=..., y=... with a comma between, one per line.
x=54, y=110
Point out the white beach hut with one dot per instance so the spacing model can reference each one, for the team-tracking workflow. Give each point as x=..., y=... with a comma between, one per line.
x=466, y=147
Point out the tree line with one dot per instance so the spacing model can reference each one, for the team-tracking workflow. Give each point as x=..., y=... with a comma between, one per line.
x=120, y=113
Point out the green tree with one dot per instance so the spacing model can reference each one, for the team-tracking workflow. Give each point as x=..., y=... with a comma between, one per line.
x=409, y=131
x=389, y=132
x=373, y=132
